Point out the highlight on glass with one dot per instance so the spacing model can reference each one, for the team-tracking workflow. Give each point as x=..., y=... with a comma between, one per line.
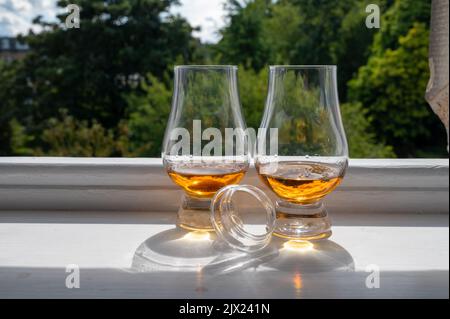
x=311, y=153
x=205, y=146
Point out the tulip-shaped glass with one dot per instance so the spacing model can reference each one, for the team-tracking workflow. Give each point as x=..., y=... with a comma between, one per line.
x=302, y=151
x=205, y=146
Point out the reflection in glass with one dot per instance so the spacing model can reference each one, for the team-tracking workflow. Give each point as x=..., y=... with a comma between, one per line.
x=204, y=147
x=302, y=151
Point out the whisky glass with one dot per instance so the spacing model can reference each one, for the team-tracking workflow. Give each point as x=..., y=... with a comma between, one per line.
x=302, y=151
x=205, y=146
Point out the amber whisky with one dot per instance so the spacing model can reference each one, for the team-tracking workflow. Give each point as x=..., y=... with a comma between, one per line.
x=203, y=181
x=301, y=182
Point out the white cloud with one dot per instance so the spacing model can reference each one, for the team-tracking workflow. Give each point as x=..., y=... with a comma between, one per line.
x=11, y=23
x=208, y=14
x=20, y=5
x=16, y=15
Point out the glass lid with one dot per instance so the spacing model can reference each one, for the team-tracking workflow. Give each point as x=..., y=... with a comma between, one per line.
x=238, y=219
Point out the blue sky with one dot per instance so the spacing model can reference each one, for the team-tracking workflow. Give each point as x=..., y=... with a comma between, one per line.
x=16, y=15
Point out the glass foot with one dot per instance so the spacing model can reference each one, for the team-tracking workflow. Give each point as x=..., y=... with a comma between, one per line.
x=194, y=214
x=302, y=222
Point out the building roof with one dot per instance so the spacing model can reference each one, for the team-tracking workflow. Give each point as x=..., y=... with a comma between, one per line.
x=11, y=44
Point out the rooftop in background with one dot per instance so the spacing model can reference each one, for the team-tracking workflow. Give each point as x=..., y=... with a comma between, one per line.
x=11, y=44
x=11, y=49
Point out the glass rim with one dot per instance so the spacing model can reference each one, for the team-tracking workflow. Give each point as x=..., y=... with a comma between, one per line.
x=229, y=229
x=206, y=67
x=300, y=67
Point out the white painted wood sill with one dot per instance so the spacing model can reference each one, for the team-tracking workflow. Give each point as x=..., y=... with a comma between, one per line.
x=397, y=186
x=95, y=213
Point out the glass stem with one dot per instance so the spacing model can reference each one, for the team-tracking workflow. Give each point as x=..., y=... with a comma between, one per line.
x=316, y=209
x=302, y=222
x=194, y=214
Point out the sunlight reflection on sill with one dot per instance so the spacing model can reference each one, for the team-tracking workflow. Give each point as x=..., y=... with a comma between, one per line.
x=298, y=246
x=197, y=236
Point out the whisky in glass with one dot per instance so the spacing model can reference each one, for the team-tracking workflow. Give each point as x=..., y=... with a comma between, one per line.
x=205, y=146
x=311, y=153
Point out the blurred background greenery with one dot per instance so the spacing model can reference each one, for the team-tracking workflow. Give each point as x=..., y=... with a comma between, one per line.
x=105, y=89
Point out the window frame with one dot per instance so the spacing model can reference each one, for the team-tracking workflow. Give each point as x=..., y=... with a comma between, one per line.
x=141, y=184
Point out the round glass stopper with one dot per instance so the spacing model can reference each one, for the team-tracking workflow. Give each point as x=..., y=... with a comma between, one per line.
x=239, y=222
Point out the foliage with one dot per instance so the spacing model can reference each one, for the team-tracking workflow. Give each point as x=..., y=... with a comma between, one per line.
x=362, y=141
x=398, y=19
x=243, y=41
x=261, y=32
x=391, y=87
x=253, y=90
x=148, y=117
x=19, y=139
x=7, y=107
x=67, y=136
x=149, y=114
x=89, y=70
x=86, y=92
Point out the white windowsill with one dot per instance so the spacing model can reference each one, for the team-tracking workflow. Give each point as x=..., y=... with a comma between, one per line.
x=95, y=213
x=402, y=186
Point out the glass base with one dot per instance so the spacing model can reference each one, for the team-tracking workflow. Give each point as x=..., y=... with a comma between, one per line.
x=302, y=222
x=194, y=214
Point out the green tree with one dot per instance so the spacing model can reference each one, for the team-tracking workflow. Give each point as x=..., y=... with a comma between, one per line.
x=351, y=46
x=253, y=91
x=243, y=40
x=7, y=108
x=66, y=136
x=312, y=31
x=358, y=125
x=362, y=141
x=98, y=73
x=148, y=115
x=391, y=87
x=397, y=19
x=19, y=139
x=263, y=32
x=89, y=70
